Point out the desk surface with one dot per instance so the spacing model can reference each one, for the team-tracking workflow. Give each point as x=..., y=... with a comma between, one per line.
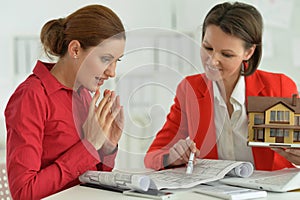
x=79, y=192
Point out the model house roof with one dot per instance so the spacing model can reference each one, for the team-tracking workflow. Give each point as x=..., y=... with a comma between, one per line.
x=261, y=104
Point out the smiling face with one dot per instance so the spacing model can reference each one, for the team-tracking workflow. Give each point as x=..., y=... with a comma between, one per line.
x=99, y=64
x=222, y=54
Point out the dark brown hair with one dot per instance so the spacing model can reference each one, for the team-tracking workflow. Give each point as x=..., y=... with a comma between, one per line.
x=89, y=25
x=240, y=20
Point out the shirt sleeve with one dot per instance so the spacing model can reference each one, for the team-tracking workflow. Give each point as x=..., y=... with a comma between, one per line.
x=107, y=161
x=175, y=128
x=28, y=176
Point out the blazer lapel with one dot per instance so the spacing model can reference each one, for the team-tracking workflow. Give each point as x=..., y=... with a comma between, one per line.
x=207, y=123
x=254, y=85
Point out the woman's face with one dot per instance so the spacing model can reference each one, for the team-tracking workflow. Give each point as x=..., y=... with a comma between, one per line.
x=222, y=54
x=100, y=63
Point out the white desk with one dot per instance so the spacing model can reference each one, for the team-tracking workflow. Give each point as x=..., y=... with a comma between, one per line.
x=79, y=192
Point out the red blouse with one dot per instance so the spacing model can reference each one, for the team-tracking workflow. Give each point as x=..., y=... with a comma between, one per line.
x=45, y=152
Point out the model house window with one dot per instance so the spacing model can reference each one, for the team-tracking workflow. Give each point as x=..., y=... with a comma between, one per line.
x=272, y=132
x=287, y=116
x=273, y=116
x=286, y=133
x=280, y=116
x=297, y=136
x=297, y=120
x=259, y=119
x=258, y=135
x=279, y=132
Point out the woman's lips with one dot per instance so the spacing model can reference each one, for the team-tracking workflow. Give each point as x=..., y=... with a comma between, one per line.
x=213, y=68
x=100, y=81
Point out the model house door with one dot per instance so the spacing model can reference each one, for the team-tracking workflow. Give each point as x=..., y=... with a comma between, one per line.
x=279, y=139
x=280, y=136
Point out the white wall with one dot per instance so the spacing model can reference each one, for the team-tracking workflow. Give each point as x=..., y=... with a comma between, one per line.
x=25, y=18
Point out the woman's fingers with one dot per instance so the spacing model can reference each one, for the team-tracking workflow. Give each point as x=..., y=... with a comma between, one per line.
x=119, y=119
x=93, y=102
x=291, y=155
x=182, y=149
x=111, y=117
x=293, y=151
x=101, y=125
x=106, y=111
x=180, y=152
x=103, y=102
x=110, y=111
x=174, y=157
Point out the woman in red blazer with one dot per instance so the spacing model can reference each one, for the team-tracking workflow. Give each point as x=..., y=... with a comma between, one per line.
x=209, y=114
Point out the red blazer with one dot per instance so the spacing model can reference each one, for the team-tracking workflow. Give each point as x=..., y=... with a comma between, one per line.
x=192, y=115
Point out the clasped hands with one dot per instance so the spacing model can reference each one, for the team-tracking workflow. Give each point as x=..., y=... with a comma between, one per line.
x=105, y=121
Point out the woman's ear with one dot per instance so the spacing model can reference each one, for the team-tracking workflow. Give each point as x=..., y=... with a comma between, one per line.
x=249, y=52
x=73, y=49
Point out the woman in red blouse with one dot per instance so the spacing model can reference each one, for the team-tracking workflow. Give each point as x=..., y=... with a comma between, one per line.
x=55, y=129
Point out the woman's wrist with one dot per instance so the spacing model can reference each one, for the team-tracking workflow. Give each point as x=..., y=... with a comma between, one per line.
x=109, y=148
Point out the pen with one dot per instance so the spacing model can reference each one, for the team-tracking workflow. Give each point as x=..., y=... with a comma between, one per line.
x=190, y=164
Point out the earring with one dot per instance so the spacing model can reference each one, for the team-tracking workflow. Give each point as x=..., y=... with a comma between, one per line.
x=75, y=56
x=244, y=66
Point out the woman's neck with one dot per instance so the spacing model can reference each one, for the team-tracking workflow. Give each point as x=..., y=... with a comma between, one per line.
x=226, y=88
x=64, y=73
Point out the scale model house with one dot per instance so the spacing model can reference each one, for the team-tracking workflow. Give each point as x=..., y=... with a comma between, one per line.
x=274, y=121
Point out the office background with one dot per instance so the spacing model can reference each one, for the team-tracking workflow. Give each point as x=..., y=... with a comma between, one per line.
x=162, y=47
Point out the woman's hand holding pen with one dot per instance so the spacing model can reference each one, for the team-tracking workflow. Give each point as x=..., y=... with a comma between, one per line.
x=105, y=122
x=179, y=154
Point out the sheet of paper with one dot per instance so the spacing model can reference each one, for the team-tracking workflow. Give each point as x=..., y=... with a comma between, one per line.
x=206, y=170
